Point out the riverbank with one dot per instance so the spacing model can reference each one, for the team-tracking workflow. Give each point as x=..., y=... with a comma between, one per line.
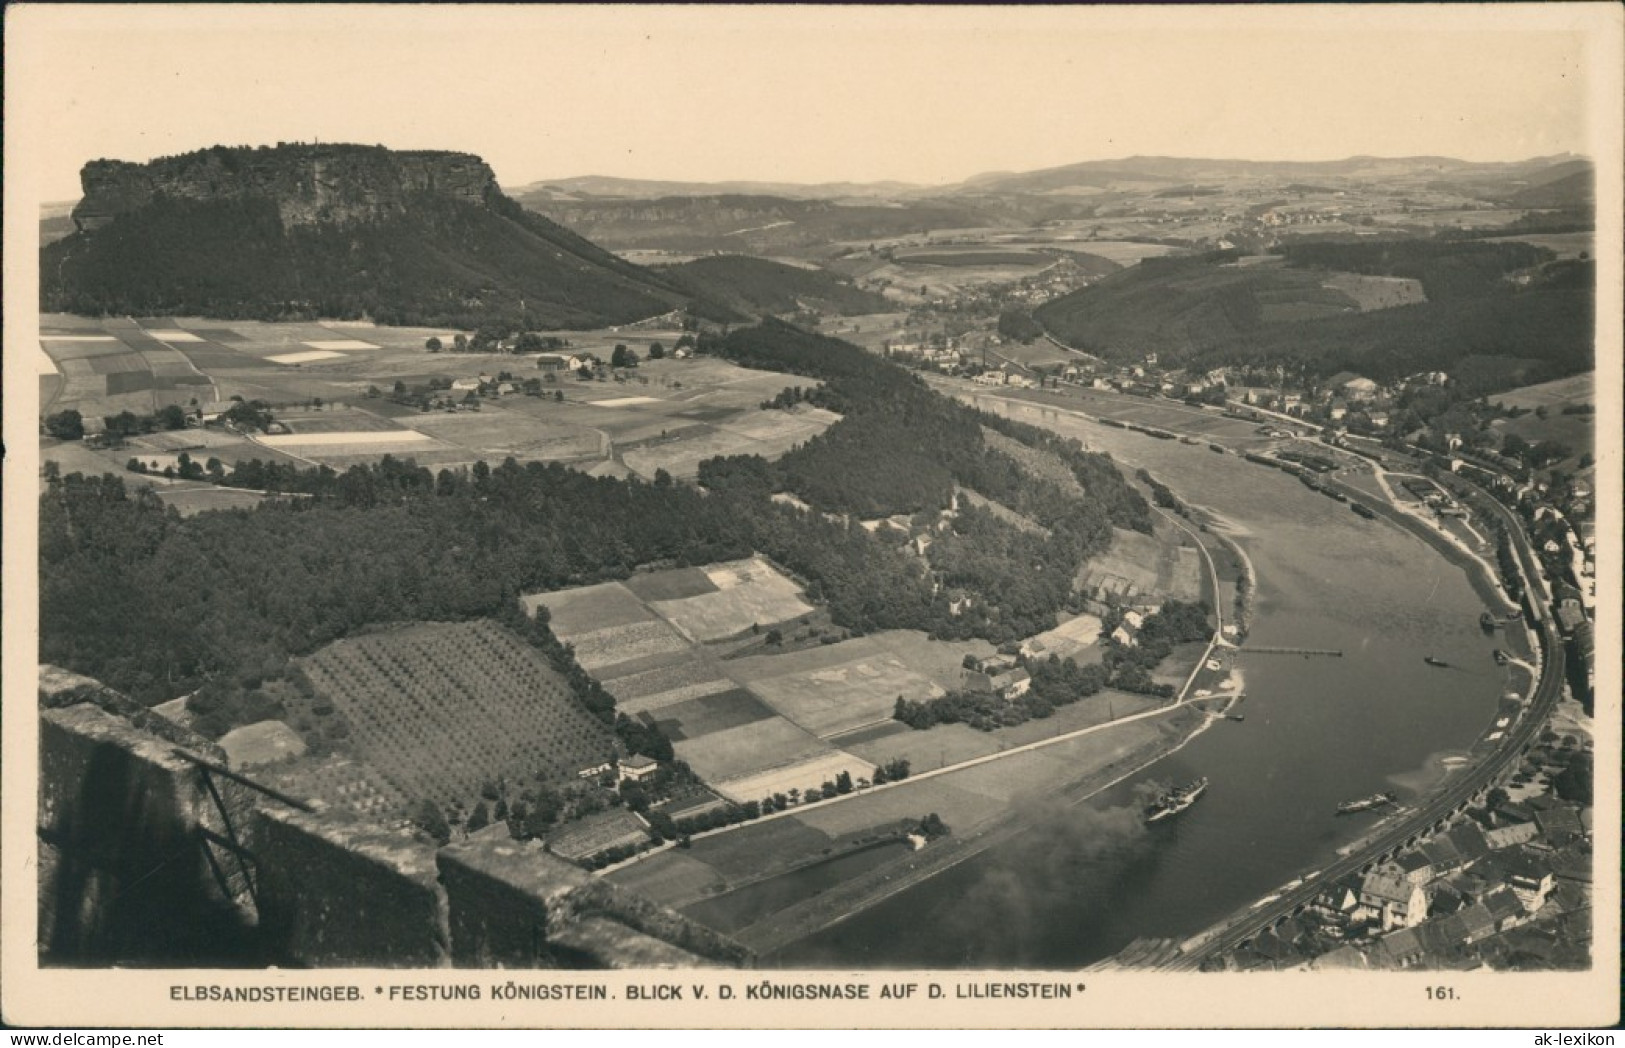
x=780, y=931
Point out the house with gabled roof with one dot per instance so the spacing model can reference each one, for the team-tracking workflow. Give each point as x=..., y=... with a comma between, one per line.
x=1392, y=899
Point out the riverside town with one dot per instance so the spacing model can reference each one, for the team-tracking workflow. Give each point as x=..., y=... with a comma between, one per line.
x=916, y=558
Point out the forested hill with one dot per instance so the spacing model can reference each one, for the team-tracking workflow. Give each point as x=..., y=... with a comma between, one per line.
x=298, y=231
x=1496, y=314
x=761, y=287
x=155, y=604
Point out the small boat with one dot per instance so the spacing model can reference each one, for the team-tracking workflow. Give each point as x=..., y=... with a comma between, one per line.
x=1376, y=800
x=1175, y=801
x=1431, y=661
x=1362, y=510
x=1487, y=622
x=1501, y=657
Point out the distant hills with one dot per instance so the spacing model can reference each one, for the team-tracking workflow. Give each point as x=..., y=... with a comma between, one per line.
x=297, y=231
x=755, y=224
x=1182, y=170
x=1496, y=315
x=759, y=287
x=1090, y=173
x=648, y=189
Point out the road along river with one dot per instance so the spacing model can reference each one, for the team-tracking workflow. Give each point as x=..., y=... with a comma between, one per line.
x=1318, y=730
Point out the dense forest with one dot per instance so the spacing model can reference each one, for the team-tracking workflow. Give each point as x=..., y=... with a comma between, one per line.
x=443, y=261
x=157, y=605
x=1497, y=315
x=759, y=286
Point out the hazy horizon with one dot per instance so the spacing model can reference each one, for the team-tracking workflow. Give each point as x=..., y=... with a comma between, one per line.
x=801, y=94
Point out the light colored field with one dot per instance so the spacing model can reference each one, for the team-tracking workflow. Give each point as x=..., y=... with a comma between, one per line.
x=191, y=501
x=759, y=596
x=961, y=809
x=339, y=344
x=603, y=648
x=338, y=421
x=1576, y=389
x=267, y=742
x=305, y=357
x=77, y=338
x=749, y=750
x=573, y=612
x=935, y=747
x=173, y=335
x=1376, y=292
x=1567, y=245
x=1124, y=252
x=846, y=696
x=509, y=433
x=624, y=402
x=1069, y=638
x=800, y=776
x=1143, y=568
x=346, y=438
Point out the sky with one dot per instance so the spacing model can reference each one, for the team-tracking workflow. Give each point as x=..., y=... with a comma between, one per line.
x=802, y=94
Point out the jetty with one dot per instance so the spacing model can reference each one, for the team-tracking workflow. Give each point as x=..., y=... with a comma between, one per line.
x=1251, y=650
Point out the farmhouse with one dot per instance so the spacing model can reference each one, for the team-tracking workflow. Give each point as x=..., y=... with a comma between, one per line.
x=638, y=767
x=465, y=384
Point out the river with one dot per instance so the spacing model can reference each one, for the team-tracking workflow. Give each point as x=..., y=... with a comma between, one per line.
x=1320, y=730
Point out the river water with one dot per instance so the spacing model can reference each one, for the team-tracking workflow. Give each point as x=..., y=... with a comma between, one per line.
x=1319, y=730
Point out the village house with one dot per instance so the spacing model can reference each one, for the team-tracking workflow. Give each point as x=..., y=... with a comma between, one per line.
x=638, y=767
x=1352, y=386
x=1393, y=900
x=465, y=385
x=1001, y=675
x=1528, y=878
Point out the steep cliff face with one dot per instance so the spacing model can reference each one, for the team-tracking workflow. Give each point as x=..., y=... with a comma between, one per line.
x=309, y=184
x=301, y=231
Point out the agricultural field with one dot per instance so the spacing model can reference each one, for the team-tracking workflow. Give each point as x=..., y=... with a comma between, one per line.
x=979, y=256
x=667, y=414
x=749, y=593
x=1575, y=429
x=1554, y=395
x=700, y=715
x=843, y=696
x=810, y=771
x=647, y=640
x=1371, y=293
x=1038, y=353
x=589, y=836
x=1144, y=569
x=193, y=499
x=744, y=751
x=436, y=709
x=1123, y=252
x=1566, y=245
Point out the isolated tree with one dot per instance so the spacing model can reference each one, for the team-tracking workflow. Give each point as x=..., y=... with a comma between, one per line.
x=460, y=343
x=433, y=344
x=429, y=819
x=656, y=351
x=480, y=818
x=623, y=357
